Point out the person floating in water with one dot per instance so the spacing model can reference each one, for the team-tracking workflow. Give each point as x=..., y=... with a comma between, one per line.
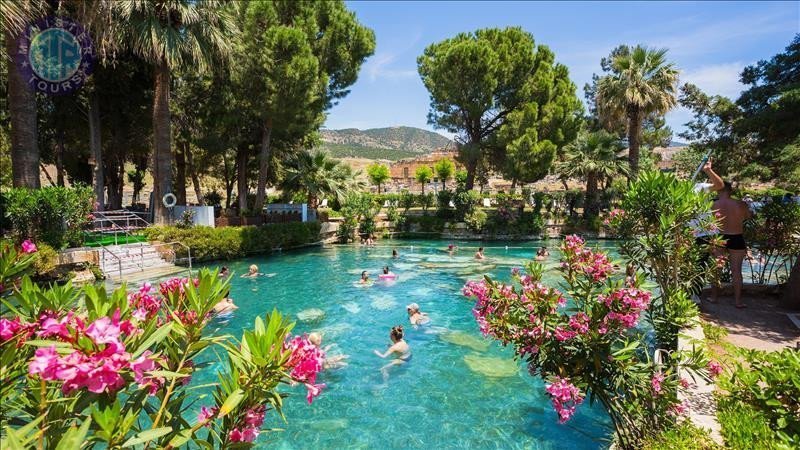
x=387, y=274
x=394, y=253
x=225, y=305
x=399, y=349
x=331, y=361
x=542, y=254
x=415, y=316
x=252, y=272
x=223, y=272
x=365, y=278
x=479, y=254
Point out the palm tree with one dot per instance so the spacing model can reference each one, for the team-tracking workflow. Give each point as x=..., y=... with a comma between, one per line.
x=318, y=175
x=171, y=34
x=641, y=83
x=14, y=17
x=423, y=174
x=593, y=157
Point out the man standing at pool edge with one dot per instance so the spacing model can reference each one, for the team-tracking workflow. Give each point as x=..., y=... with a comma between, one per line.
x=734, y=213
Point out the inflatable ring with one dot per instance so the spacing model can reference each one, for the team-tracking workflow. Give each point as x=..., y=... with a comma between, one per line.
x=169, y=200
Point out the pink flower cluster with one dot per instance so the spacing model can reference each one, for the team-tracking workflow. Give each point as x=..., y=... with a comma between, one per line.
x=655, y=383
x=578, y=258
x=28, y=246
x=625, y=306
x=565, y=397
x=9, y=328
x=714, y=369
x=98, y=367
x=305, y=363
x=145, y=304
x=614, y=214
x=249, y=426
x=176, y=285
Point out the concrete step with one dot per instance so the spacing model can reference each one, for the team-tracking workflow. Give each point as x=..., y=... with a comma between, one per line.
x=152, y=275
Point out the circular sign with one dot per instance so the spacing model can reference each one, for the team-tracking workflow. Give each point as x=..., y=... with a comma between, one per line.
x=55, y=55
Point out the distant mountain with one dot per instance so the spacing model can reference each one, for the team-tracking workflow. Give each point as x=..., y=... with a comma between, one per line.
x=677, y=144
x=391, y=143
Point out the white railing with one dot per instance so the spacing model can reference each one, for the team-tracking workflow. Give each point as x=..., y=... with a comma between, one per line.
x=103, y=259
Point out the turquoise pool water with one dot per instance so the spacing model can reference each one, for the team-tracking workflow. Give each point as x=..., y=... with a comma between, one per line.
x=458, y=390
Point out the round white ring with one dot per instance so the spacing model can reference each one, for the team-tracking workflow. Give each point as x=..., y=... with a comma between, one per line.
x=169, y=200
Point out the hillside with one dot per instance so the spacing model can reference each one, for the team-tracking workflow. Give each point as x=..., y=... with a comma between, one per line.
x=391, y=143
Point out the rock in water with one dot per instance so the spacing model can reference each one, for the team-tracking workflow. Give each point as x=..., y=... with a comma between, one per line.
x=492, y=367
x=311, y=315
x=466, y=340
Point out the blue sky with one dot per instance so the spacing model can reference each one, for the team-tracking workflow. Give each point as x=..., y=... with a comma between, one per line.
x=710, y=42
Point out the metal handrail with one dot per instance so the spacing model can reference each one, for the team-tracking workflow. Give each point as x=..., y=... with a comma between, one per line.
x=186, y=247
x=103, y=260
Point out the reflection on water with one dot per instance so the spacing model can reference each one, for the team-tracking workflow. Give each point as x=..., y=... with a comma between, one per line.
x=459, y=390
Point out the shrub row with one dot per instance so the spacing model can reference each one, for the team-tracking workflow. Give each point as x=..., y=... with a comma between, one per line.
x=53, y=215
x=208, y=243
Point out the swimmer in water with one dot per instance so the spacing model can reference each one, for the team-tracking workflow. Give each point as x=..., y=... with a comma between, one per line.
x=394, y=253
x=330, y=362
x=399, y=350
x=388, y=272
x=415, y=316
x=225, y=305
x=223, y=272
x=364, y=277
x=479, y=254
x=252, y=272
x=542, y=254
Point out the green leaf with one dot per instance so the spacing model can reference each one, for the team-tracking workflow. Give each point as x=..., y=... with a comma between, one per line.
x=75, y=437
x=157, y=336
x=231, y=402
x=147, y=435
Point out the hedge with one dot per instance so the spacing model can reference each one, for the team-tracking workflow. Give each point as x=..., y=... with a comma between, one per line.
x=209, y=244
x=54, y=215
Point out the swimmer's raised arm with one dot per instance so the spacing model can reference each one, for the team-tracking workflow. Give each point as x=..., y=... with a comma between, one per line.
x=716, y=181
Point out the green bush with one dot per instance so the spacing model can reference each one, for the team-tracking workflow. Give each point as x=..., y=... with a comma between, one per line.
x=465, y=202
x=769, y=382
x=443, y=199
x=476, y=220
x=53, y=215
x=46, y=259
x=684, y=436
x=743, y=426
x=208, y=243
x=427, y=224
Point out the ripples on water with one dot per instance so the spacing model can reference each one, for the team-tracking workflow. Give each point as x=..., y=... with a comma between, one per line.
x=458, y=391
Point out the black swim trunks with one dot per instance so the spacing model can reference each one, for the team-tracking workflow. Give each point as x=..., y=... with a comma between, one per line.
x=734, y=242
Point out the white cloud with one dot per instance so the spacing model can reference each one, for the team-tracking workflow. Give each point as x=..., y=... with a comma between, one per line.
x=378, y=67
x=717, y=79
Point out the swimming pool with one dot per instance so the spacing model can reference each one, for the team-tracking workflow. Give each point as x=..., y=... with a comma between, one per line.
x=457, y=391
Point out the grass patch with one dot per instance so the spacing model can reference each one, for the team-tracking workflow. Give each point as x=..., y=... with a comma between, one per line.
x=684, y=436
x=743, y=426
x=714, y=333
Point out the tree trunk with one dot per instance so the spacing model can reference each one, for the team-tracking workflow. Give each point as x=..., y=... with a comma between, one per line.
x=263, y=164
x=22, y=109
x=60, y=159
x=95, y=144
x=114, y=181
x=230, y=178
x=472, y=167
x=423, y=188
x=180, y=172
x=634, y=134
x=162, y=140
x=791, y=290
x=591, y=208
x=241, y=178
x=195, y=179
x=379, y=189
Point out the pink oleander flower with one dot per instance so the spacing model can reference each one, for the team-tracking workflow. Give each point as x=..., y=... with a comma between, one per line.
x=613, y=214
x=656, y=381
x=254, y=417
x=714, y=369
x=44, y=363
x=305, y=362
x=684, y=383
x=9, y=328
x=565, y=397
x=244, y=434
x=562, y=334
x=579, y=323
x=206, y=414
x=50, y=326
x=105, y=331
x=28, y=246
x=679, y=409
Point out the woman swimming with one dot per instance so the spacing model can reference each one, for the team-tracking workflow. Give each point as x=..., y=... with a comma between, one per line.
x=399, y=349
x=415, y=316
x=225, y=305
x=394, y=253
x=387, y=274
x=252, y=272
x=542, y=254
x=479, y=254
x=365, y=278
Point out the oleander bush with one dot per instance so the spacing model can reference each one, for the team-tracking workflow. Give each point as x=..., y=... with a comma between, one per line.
x=208, y=243
x=585, y=341
x=775, y=231
x=53, y=215
x=86, y=368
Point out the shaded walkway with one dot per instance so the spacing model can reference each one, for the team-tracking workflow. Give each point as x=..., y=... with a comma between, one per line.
x=762, y=325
